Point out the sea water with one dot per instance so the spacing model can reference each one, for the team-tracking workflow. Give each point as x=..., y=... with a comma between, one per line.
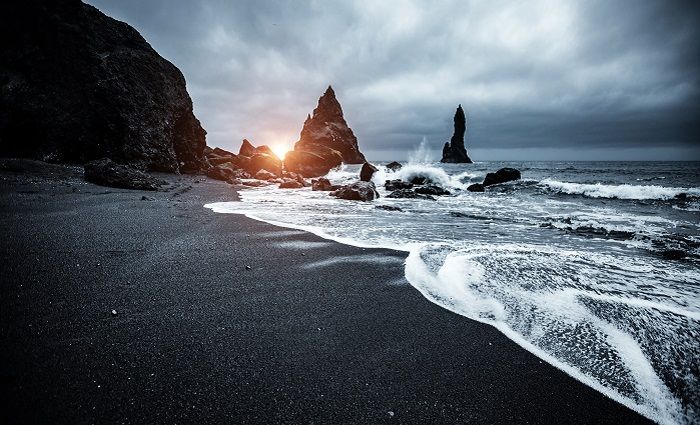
x=592, y=266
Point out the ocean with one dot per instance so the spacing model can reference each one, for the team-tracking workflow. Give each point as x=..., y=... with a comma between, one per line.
x=592, y=266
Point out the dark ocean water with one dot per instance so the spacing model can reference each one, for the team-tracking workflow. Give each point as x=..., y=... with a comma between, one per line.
x=592, y=266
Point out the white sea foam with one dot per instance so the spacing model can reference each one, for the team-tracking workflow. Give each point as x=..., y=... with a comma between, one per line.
x=624, y=323
x=620, y=191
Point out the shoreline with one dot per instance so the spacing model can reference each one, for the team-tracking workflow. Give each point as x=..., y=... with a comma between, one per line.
x=313, y=331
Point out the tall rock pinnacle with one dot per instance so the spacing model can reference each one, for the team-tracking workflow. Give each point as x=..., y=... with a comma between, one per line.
x=454, y=150
x=327, y=128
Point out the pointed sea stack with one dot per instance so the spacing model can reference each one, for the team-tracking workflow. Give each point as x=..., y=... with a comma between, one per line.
x=454, y=150
x=328, y=128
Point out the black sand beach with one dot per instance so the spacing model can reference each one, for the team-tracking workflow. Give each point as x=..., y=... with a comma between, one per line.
x=313, y=332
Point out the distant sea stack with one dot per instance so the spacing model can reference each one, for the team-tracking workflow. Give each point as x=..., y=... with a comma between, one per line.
x=327, y=128
x=77, y=85
x=454, y=150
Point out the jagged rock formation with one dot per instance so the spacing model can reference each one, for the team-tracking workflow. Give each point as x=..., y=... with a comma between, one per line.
x=327, y=128
x=77, y=85
x=454, y=150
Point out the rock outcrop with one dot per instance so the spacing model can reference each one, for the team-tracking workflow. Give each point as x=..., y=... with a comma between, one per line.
x=432, y=189
x=326, y=129
x=367, y=171
x=323, y=184
x=358, y=191
x=501, y=176
x=312, y=164
x=77, y=85
x=106, y=172
x=408, y=194
x=454, y=150
x=394, y=166
x=397, y=184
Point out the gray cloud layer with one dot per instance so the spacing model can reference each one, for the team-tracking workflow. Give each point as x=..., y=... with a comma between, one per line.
x=538, y=79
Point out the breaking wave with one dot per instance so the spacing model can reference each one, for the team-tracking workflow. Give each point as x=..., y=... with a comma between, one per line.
x=608, y=292
x=620, y=191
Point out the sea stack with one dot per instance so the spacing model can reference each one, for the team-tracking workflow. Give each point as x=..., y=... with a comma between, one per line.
x=454, y=151
x=77, y=85
x=327, y=128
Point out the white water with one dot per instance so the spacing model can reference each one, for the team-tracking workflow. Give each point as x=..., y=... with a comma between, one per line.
x=602, y=308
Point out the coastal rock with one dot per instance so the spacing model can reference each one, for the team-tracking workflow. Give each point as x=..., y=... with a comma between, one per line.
x=394, y=166
x=106, y=172
x=321, y=184
x=264, y=161
x=312, y=164
x=476, y=187
x=432, y=189
x=419, y=180
x=388, y=208
x=290, y=184
x=226, y=173
x=358, y=191
x=327, y=128
x=77, y=85
x=408, y=194
x=367, y=172
x=255, y=183
x=247, y=149
x=264, y=175
x=454, y=150
x=397, y=184
x=501, y=176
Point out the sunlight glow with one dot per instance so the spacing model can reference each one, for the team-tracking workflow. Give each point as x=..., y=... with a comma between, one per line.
x=280, y=149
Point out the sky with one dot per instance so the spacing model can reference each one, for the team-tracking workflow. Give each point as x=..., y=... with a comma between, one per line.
x=539, y=79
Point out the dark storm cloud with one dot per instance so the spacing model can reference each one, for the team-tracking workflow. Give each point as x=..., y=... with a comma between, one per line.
x=544, y=77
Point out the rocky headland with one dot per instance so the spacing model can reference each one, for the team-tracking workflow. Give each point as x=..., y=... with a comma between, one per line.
x=77, y=85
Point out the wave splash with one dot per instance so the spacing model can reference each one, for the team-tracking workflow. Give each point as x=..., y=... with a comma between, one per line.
x=620, y=191
x=558, y=305
x=605, y=291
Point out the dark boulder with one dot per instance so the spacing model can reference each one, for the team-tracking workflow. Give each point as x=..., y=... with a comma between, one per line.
x=263, y=161
x=227, y=174
x=321, y=184
x=388, y=208
x=418, y=180
x=501, y=176
x=290, y=184
x=77, y=85
x=264, y=175
x=327, y=128
x=312, y=163
x=397, y=184
x=358, y=191
x=432, y=189
x=394, y=166
x=408, y=194
x=367, y=172
x=454, y=150
x=106, y=172
x=476, y=187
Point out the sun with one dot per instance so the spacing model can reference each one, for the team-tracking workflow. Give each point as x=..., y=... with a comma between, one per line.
x=280, y=149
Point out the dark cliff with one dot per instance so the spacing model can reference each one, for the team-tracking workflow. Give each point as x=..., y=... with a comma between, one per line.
x=77, y=85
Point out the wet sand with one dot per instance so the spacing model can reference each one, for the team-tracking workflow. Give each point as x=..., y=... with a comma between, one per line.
x=223, y=319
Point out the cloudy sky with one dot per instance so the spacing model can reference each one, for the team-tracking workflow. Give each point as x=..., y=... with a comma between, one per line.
x=538, y=79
